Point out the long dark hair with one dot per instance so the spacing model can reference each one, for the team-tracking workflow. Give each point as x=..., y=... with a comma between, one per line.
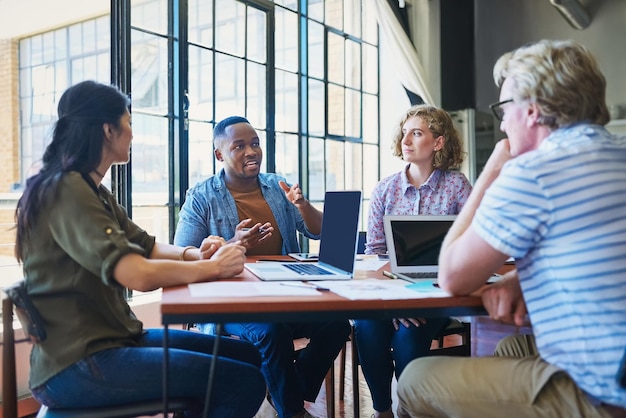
x=77, y=141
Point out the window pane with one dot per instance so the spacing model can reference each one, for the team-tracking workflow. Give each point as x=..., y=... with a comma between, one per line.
x=36, y=49
x=201, y=22
x=201, y=161
x=316, y=50
x=370, y=176
x=286, y=40
x=89, y=36
x=334, y=13
x=353, y=64
x=370, y=69
x=257, y=35
x=370, y=119
x=230, y=89
x=354, y=166
x=150, y=174
x=336, y=117
x=48, y=47
x=60, y=44
x=150, y=15
x=335, y=58
x=75, y=37
x=103, y=33
x=353, y=113
x=25, y=52
x=286, y=160
x=200, y=83
x=291, y=4
x=257, y=94
x=230, y=28
x=335, y=160
x=286, y=101
x=352, y=17
x=317, y=185
x=316, y=108
x=149, y=71
x=370, y=25
x=316, y=9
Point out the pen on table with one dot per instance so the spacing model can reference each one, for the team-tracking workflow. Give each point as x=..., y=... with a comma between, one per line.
x=389, y=274
x=305, y=285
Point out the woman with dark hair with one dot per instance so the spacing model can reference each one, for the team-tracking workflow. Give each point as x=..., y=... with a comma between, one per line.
x=427, y=140
x=80, y=250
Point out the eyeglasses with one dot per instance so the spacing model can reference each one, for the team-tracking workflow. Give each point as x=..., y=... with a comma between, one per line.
x=497, y=110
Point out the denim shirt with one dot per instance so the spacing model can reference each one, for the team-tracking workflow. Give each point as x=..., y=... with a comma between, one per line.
x=210, y=209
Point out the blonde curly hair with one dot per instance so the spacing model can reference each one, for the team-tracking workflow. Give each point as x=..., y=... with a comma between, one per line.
x=450, y=156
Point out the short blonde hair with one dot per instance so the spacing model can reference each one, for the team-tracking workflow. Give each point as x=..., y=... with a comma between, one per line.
x=450, y=156
x=561, y=77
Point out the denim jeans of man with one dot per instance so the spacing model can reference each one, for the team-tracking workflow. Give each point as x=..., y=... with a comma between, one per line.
x=131, y=374
x=380, y=346
x=291, y=380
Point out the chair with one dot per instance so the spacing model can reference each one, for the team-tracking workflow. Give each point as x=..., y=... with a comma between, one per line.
x=34, y=330
x=329, y=380
x=362, y=239
x=454, y=327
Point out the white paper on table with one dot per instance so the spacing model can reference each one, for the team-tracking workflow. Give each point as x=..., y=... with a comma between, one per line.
x=368, y=263
x=377, y=289
x=247, y=289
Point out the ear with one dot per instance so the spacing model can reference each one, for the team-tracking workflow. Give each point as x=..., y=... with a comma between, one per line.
x=218, y=155
x=533, y=116
x=439, y=142
x=108, y=131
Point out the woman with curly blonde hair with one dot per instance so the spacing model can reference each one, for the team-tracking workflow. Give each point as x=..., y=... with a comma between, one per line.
x=428, y=185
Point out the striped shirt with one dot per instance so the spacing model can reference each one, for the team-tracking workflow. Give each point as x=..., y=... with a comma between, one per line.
x=444, y=193
x=561, y=212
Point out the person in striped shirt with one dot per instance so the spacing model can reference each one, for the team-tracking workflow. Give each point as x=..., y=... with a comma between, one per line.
x=553, y=196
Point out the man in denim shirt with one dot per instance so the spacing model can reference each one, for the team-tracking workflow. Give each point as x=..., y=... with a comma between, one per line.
x=264, y=213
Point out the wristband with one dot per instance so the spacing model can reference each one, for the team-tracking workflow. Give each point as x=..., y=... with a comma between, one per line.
x=182, y=255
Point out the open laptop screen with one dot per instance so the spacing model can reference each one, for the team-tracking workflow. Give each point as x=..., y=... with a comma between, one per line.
x=417, y=239
x=339, y=229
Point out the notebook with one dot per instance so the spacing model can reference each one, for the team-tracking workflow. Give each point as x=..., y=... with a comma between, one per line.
x=340, y=227
x=414, y=242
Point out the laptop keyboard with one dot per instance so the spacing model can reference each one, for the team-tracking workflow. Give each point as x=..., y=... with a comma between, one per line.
x=424, y=275
x=307, y=269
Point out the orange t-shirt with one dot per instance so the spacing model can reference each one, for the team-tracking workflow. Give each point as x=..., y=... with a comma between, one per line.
x=252, y=205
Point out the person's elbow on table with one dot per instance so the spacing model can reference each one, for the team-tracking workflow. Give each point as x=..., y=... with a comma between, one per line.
x=457, y=283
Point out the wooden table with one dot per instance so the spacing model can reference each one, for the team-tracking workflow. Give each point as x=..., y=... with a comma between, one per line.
x=179, y=307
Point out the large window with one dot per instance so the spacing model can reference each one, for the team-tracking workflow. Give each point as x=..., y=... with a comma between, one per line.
x=48, y=64
x=305, y=73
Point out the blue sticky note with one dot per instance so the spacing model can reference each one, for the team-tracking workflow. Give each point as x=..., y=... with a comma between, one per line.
x=423, y=286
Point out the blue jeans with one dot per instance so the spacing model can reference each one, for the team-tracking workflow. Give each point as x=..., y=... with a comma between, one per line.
x=380, y=346
x=130, y=374
x=293, y=379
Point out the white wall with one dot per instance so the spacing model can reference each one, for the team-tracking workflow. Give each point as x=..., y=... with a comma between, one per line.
x=505, y=25
x=393, y=103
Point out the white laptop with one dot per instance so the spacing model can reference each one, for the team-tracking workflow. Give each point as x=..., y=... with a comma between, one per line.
x=414, y=242
x=340, y=228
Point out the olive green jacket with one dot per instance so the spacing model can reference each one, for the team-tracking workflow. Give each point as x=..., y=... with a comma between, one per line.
x=79, y=236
